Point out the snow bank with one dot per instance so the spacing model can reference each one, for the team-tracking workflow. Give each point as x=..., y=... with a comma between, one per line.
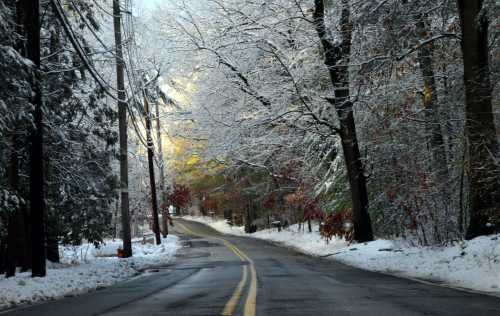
x=473, y=264
x=84, y=268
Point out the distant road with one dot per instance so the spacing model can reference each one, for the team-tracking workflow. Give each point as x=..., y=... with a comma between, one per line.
x=218, y=274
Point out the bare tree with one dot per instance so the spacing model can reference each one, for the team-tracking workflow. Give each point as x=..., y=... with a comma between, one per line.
x=337, y=56
x=480, y=129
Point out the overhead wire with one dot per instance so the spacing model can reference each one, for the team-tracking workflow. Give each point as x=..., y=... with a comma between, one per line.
x=102, y=9
x=94, y=73
x=80, y=51
x=84, y=57
x=131, y=71
x=91, y=29
x=131, y=77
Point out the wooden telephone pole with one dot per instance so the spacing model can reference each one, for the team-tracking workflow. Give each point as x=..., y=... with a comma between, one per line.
x=122, y=118
x=161, y=166
x=154, y=201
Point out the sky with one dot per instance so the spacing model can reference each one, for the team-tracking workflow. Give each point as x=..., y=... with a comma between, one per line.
x=147, y=4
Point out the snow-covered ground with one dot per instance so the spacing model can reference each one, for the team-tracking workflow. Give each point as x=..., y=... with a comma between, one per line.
x=473, y=264
x=85, y=268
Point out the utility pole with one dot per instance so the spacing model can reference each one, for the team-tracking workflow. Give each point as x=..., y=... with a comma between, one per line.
x=122, y=118
x=154, y=201
x=161, y=166
x=31, y=24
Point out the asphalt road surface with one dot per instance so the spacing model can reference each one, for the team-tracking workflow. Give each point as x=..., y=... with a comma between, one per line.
x=217, y=274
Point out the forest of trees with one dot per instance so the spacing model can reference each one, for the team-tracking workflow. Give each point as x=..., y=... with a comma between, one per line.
x=380, y=112
x=59, y=135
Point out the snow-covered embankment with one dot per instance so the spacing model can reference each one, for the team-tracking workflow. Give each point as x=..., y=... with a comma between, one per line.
x=84, y=268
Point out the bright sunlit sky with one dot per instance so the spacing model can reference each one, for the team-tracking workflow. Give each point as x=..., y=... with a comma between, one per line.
x=147, y=4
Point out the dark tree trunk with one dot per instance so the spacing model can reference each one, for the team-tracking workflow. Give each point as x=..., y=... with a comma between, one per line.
x=17, y=243
x=52, y=248
x=480, y=126
x=337, y=58
x=19, y=250
x=122, y=118
x=52, y=233
x=11, y=262
x=31, y=12
x=26, y=252
x=152, y=182
x=3, y=254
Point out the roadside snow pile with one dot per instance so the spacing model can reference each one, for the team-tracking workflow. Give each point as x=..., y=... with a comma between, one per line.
x=82, y=269
x=302, y=240
x=473, y=264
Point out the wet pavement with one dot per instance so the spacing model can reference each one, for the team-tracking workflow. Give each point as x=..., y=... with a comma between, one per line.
x=216, y=274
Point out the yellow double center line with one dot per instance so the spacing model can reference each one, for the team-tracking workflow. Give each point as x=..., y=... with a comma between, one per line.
x=251, y=299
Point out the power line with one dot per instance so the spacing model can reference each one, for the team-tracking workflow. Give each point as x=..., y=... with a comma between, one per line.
x=80, y=51
x=93, y=72
x=77, y=46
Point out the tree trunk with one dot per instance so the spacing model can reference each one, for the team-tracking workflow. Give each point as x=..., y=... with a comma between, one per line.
x=480, y=126
x=27, y=251
x=24, y=251
x=3, y=254
x=122, y=118
x=161, y=166
x=13, y=224
x=17, y=243
x=152, y=183
x=31, y=12
x=52, y=250
x=337, y=58
x=11, y=259
x=431, y=102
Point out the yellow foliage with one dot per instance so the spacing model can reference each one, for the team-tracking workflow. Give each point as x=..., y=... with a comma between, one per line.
x=184, y=156
x=187, y=162
x=427, y=95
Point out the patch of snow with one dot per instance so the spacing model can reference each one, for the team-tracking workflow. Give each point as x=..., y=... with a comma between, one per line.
x=300, y=239
x=84, y=268
x=473, y=264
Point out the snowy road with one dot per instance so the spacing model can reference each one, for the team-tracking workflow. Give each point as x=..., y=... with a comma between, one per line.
x=214, y=274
